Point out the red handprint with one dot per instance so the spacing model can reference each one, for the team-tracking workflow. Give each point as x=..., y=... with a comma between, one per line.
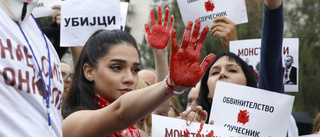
x=185, y=69
x=160, y=35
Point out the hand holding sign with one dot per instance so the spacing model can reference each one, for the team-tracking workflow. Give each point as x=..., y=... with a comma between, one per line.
x=225, y=29
x=185, y=69
x=57, y=15
x=199, y=115
x=160, y=35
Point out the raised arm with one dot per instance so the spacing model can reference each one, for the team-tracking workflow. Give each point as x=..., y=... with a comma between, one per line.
x=132, y=106
x=158, y=39
x=270, y=73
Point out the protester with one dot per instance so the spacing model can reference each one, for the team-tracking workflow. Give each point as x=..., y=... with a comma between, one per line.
x=316, y=125
x=30, y=67
x=147, y=76
x=192, y=97
x=145, y=124
x=174, y=108
x=192, y=102
x=229, y=67
x=106, y=73
x=67, y=75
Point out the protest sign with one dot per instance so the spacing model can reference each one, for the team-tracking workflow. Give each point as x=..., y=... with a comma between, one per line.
x=123, y=12
x=249, y=111
x=81, y=18
x=43, y=8
x=207, y=10
x=249, y=51
x=173, y=127
x=311, y=135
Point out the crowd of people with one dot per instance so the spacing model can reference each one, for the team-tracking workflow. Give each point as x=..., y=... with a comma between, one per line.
x=43, y=96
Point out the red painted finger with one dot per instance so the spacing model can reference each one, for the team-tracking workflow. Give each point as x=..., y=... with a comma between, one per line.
x=166, y=18
x=174, y=42
x=171, y=22
x=159, y=15
x=152, y=17
x=202, y=37
x=195, y=33
x=186, y=35
x=146, y=27
x=206, y=63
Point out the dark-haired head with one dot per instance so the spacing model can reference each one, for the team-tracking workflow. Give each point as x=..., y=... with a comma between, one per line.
x=82, y=92
x=203, y=99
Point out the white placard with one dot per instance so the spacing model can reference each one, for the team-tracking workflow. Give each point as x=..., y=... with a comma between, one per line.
x=43, y=8
x=208, y=10
x=311, y=135
x=81, y=18
x=123, y=12
x=249, y=111
x=173, y=127
x=249, y=51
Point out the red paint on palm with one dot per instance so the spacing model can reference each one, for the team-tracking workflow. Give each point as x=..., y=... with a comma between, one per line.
x=243, y=117
x=160, y=34
x=209, y=5
x=185, y=69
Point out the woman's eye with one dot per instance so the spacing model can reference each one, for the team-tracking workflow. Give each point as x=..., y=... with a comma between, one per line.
x=136, y=70
x=232, y=70
x=115, y=67
x=215, y=73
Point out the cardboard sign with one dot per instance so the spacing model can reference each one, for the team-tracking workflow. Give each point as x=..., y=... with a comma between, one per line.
x=249, y=51
x=208, y=10
x=123, y=12
x=173, y=127
x=43, y=8
x=81, y=18
x=249, y=111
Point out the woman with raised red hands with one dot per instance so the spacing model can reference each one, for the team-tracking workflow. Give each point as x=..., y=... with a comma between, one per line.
x=100, y=101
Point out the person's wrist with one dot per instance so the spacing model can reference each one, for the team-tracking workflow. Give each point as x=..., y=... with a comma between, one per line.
x=172, y=87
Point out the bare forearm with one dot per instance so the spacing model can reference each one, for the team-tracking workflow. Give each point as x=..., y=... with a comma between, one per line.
x=272, y=4
x=139, y=103
x=121, y=114
x=161, y=63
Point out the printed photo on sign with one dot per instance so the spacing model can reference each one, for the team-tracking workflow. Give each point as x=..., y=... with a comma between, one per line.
x=173, y=127
x=207, y=10
x=43, y=8
x=249, y=51
x=248, y=111
x=80, y=19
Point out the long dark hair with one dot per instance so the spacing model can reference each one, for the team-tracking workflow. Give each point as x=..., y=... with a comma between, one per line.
x=203, y=99
x=81, y=94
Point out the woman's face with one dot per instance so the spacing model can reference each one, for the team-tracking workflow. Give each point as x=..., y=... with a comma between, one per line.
x=117, y=72
x=227, y=71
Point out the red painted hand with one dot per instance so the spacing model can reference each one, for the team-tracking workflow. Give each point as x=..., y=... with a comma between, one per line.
x=185, y=69
x=160, y=35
